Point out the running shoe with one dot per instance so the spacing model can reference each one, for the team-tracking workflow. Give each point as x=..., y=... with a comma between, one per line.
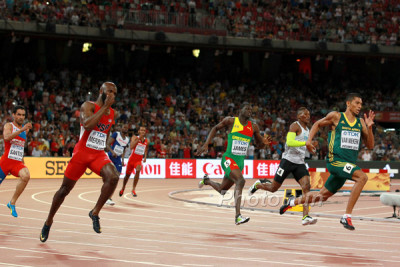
x=308, y=220
x=121, y=192
x=110, y=202
x=12, y=209
x=286, y=206
x=346, y=221
x=254, y=188
x=240, y=220
x=201, y=183
x=45, y=233
x=134, y=193
x=96, y=222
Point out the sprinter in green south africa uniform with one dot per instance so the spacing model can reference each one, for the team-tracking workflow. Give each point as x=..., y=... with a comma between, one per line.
x=239, y=138
x=344, y=143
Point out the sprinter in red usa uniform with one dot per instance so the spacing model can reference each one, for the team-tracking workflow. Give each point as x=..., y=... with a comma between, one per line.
x=96, y=121
x=12, y=160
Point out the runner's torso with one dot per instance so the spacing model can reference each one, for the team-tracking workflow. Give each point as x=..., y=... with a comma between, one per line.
x=120, y=143
x=14, y=149
x=95, y=140
x=239, y=140
x=139, y=149
x=344, y=141
x=297, y=154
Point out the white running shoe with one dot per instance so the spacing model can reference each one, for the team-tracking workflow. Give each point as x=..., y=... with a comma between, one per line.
x=308, y=220
x=240, y=220
x=110, y=202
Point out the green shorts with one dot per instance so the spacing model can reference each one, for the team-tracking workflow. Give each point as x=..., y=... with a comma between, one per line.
x=230, y=163
x=340, y=172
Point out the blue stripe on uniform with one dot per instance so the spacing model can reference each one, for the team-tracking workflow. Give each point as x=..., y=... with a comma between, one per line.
x=2, y=175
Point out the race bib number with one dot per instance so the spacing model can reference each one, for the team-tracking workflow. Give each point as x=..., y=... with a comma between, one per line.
x=96, y=140
x=350, y=140
x=118, y=150
x=239, y=148
x=140, y=149
x=348, y=167
x=16, y=152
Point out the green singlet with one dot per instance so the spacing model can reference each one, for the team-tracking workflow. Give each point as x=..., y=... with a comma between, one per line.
x=344, y=144
x=238, y=141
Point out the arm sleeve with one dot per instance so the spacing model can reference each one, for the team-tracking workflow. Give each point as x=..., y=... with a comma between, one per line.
x=290, y=141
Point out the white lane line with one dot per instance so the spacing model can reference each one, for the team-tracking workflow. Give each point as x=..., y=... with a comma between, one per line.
x=11, y=264
x=266, y=261
x=87, y=257
x=197, y=265
x=212, y=246
x=27, y=256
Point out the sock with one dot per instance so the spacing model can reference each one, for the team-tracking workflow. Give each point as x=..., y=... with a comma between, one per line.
x=291, y=203
x=347, y=216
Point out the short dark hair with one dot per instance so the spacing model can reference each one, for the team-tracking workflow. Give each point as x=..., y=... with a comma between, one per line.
x=351, y=96
x=18, y=107
x=300, y=110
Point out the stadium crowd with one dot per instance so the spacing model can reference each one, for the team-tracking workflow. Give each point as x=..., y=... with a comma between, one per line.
x=179, y=112
x=370, y=21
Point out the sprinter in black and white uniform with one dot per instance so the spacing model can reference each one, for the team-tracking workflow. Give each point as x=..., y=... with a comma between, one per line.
x=292, y=161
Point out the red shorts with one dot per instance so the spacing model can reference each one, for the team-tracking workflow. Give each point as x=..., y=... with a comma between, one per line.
x=10, y=166
x=81, y=160
x=132, y=164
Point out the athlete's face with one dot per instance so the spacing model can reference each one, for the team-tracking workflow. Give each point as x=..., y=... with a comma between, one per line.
x=108, y=89
x=246, y=111
x=19, y=116
x=142, y=131
x=124, y=129
x=304, y=116
x=354, y=105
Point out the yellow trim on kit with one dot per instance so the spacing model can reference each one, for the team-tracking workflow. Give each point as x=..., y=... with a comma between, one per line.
x=237, y=126
x=351, y=124
x=331, y=143
x=341, y=164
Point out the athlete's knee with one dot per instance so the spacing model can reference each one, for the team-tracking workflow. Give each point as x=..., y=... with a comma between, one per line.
x=306, y=188
x=139, y=168
x=25, y=177
x=240, y=182
x=64, y=190
x=363, y=178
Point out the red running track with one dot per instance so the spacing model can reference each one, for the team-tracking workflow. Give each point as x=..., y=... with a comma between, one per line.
x=155, y=230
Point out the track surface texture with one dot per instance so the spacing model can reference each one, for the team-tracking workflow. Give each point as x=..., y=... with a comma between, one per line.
x=172, y=223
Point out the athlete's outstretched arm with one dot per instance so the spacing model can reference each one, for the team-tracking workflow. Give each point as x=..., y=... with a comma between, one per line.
x=330, y=120
x=9, y=135
x=367, y=134
x=225, y=123
x=260, y=141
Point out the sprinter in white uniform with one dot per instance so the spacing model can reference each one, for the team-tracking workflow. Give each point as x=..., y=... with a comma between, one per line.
x=292, y=162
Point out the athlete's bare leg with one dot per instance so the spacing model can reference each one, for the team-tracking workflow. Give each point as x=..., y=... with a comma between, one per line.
x=110, y=180
x=237, y=176
x=59, y=197
x=304, y=182
x=360, y=179
x=314, y=197
x=271, y=187
x=136, y=178
x=220, y=187
x=24, y=177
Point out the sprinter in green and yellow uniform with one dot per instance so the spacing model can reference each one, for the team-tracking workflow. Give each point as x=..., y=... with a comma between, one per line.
x=241, y=132
x=344, y=143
